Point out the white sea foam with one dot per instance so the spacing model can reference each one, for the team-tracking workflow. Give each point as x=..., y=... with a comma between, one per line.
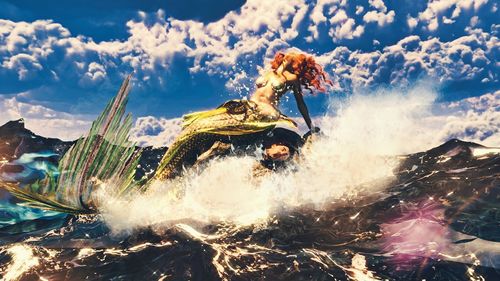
x=23, y=259
x=361, y=136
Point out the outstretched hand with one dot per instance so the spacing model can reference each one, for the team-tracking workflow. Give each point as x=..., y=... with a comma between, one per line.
x=315, y=130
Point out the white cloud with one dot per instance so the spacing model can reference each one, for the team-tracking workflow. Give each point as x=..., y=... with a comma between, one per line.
x=378, y=4
x=412, y=22
x=96, y=74
x=359, y=10
x=25, y=65
x=379, y=17
x=344, y=27
x=317, y=16
x=474, y=21
x=292, y=33
x=44, y=121
x=380, y=14
x=339, y=17
x=437, y=8
x=468, y=58
x=26, y=47
x=147, y=131
x=346, y=30
x=157, y=132
x=474, y=119
x=332, y=13
x=43, y=51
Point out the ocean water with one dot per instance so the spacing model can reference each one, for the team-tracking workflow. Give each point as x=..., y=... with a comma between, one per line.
x=359, y=204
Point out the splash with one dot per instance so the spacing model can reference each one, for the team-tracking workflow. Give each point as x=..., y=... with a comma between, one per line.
x=23, y=259
x=356, y=154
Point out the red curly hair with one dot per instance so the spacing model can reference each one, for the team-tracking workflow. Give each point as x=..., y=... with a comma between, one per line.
x=310, y=74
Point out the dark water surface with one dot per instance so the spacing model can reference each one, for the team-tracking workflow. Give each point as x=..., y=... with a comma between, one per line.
x=438, y=220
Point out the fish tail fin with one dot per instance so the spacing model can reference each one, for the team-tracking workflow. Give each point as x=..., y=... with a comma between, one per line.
x=41, y=201
x=105, y=155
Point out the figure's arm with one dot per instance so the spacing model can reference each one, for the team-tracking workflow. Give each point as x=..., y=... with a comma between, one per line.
x=299, y=98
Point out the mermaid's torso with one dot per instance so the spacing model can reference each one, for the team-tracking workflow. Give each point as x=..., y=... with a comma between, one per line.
x=270, y=88
x=278, y=83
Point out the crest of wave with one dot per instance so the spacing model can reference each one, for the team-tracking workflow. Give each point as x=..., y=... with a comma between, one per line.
x=362, y=136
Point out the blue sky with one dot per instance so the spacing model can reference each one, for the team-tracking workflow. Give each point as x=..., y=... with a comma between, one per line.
x=68, y=59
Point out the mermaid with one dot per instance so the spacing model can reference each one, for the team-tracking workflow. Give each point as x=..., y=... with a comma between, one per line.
x=106, y=154
x=239, y=120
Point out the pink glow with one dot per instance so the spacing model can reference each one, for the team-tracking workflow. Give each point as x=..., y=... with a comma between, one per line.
x=420, y=233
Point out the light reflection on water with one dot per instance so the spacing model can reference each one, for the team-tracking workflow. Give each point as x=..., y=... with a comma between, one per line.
x=424, y=225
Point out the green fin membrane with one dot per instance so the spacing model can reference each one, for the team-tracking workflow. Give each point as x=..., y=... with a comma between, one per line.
x=104, y=155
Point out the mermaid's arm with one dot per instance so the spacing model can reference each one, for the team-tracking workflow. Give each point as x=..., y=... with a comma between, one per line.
x=299, y=98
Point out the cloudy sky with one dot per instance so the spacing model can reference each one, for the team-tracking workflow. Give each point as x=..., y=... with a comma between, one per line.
x=61, y=62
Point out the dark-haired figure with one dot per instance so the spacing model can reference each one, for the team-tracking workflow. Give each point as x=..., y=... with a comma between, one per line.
x=239, y=121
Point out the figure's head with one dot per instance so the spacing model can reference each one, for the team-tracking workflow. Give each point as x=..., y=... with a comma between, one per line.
x=309, y=73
